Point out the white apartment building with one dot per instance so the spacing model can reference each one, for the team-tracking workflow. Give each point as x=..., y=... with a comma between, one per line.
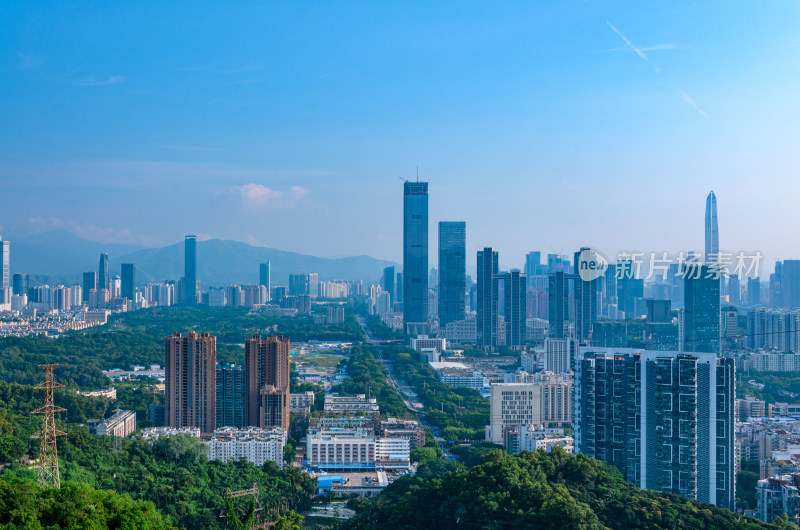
x=253, y=444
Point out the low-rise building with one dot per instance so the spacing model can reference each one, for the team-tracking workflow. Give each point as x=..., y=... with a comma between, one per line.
x=357, y=403
x=110, y=393
x=410, y=430
x=355, y=449
x=779, y=495
x=154, y=433
x=520, y=438
x=253, y=444
x=122, y=423
x=301, y=402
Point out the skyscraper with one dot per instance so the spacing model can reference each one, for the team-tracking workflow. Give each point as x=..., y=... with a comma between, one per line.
x=264, y=275
x=701, y=316
x=128, y=289
x=664, y=419
x=558, y=304
x=299, y=284
x=103, y=277
x=5, y=264
x=415, y=254
x=190, y=270
x=712, y=232
x=753, y=291
x=515, y=310
x=190, y=384
x=486, y=319
x=20, y=283
x=586, y=293
x=230, y=396
x=89, y=283
x=452, y=271
x=388, y=284
x=266, y=385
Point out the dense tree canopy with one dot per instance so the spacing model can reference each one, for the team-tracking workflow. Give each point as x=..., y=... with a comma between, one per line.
x=24, y=505
x=536, y=490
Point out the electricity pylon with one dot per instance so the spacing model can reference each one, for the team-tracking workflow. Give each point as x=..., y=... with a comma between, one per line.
x=48, y=476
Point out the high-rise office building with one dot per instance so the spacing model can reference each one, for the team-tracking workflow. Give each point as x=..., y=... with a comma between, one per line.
x=712, y=232
x=586, y=293
x=5, y=264
x=264, y=275
x=230, y=396
x=313, y=285
x=387, y=282
x=190, y=384
x=298, y=284
x=452, y=271
x=734, y=290
x=266, y=384
x=753, y=291
x=89, y=284
x=790, y=284
x=190, y=270
x=20, y=283
x=701, y=315
x=513, y=285
x=415, y=254
x=659, y=311
x=399, y=291
x=103, y=276
x=128, y=286
x=558, y=304
x=486, y=295
x=664, y=419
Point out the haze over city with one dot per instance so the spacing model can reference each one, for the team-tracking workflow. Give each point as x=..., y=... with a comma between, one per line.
x=284, y=125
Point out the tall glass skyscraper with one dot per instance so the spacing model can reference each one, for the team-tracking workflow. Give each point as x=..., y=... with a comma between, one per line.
x=128, y=281
x=586, y=293
x=415, y=253
x=701, y=316
x=712, y=232
x=558, y=304
x=190, y=271
x=388, y=284
x=487, y=298
x=102, y=272
x=452, y=271
x=264, y=275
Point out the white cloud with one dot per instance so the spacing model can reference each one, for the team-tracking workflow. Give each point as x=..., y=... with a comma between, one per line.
x=255, y=196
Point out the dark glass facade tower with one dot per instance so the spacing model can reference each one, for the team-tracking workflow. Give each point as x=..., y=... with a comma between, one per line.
x=515, y=311
x=388, y=284
x=586, y=295
x=487, y=296
x=102, y=272
x=128, y=281
x=190, y=271
x=415, y=253
x=701, y=317
x=89, y=283
x=712, y=232
x=558, y=304
x=753, y=291
x=452, y=271
x=230, y=396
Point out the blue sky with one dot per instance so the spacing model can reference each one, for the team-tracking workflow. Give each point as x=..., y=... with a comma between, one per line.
x=543, y=125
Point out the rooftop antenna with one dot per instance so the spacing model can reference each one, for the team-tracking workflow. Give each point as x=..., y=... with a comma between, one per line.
x=404, y=180
x=417, y=172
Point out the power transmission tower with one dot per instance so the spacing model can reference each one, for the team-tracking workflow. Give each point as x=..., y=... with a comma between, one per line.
x=49, y=476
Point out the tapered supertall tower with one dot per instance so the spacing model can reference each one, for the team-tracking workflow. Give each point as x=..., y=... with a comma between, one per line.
x=712, y=233
x=48, y=476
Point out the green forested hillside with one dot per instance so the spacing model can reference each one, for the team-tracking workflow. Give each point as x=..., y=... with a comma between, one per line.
x=537, y=490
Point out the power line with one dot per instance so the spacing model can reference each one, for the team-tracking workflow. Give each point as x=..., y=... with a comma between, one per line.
x=48, y=475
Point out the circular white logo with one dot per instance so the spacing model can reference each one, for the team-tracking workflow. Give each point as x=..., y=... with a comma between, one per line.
x=591, y=265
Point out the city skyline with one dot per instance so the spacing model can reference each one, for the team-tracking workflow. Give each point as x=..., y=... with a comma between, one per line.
x=562, y=127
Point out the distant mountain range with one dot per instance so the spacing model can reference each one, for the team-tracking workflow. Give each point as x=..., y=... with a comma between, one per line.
x=61, y=256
